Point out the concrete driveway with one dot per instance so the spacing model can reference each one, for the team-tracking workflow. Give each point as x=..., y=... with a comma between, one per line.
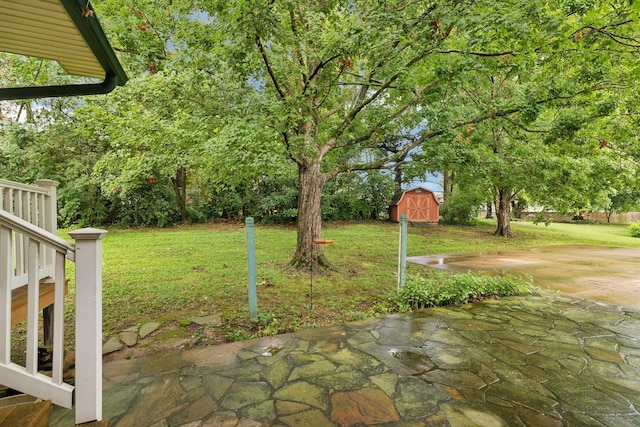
x=606, y=274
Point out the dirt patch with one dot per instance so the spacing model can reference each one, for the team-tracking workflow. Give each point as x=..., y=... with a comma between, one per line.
x=144, y=349
x=176, y=337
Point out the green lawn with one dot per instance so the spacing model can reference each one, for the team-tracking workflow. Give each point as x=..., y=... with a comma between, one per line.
x=172, y=274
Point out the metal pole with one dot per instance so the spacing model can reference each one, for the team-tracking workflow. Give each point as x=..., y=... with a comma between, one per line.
x=399, y=252
x=311, y=275
x=402, y=265
x=311, y=268
x=251, y=259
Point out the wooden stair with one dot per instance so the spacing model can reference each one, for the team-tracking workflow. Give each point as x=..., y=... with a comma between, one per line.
x=19, y=299
x=24, y=411
x=27, y=411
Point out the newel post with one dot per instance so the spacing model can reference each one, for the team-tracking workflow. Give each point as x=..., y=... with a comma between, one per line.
x=88, y=258
x=50, y=220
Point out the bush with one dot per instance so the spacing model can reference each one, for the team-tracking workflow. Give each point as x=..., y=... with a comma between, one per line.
x=358, y=196
x=81, y=203
x=274, y=199
x=460, y=289
x=461, y=209
x=271, y=200
x=145, y=205
x=634, y=228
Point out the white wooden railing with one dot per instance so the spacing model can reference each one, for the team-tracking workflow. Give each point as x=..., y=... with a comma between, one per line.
x=29, y=254
x=38, y=206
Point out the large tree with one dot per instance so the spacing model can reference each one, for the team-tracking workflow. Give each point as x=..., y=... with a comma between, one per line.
x=526, y=102
x=155, y=136
x=334, y=79
x=337, y=77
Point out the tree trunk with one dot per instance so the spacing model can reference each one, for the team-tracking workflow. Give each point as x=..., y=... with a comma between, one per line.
x=503, y=209
x=518, y=207
x=397, y=176
x=608, y=213
x=397, y=179
x=447, y=185
x=309, y=223
x=489, y=209
x=180, y=188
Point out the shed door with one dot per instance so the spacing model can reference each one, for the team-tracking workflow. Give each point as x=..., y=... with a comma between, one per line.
x=418, y=207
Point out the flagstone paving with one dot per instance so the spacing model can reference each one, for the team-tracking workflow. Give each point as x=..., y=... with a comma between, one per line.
x=541, y=360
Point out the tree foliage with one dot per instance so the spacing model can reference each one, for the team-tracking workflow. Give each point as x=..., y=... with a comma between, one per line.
x=275, y=108
x=540, y=107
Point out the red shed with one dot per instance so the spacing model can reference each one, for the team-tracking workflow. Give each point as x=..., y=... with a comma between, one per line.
x=420, y=205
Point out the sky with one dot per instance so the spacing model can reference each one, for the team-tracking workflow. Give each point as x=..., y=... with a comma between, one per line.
x=430, y=182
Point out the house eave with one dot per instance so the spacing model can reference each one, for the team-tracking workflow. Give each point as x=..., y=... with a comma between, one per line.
x=81, y=24
x=33, y=92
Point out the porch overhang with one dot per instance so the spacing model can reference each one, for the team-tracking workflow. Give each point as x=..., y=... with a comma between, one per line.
x=66, y=31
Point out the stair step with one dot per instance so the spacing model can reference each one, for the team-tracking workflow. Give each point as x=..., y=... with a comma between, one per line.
x=24, y=411
x=16, y=399
x=19, y=299
x=103, y=423
x=15, y=411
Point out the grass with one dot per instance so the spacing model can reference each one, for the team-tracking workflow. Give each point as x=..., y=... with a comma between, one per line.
x=455, y=289
x=168, y=275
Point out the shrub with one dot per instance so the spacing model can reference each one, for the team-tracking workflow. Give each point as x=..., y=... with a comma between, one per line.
x=146, y=205
x=460, y=289
x=462, y=208
x=543, y=218
x=634, y=228
x=359, y=196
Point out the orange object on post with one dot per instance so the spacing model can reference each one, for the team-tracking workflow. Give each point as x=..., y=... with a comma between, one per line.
x=323, y=242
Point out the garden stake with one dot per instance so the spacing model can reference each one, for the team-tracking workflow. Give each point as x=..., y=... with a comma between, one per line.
x=316, y=242
x=311, y=272
x=402, y=252
x=251, y=259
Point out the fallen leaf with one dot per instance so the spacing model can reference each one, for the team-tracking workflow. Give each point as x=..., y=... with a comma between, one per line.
x=87, y=13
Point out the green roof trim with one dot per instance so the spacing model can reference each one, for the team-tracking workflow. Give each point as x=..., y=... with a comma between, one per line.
x=90, y=29
x=92, y=32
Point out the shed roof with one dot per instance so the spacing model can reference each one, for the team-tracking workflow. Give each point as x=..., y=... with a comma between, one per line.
x=398, y=197
x=66, y=31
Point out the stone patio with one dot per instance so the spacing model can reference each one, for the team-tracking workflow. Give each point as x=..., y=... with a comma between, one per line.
x=542, y=360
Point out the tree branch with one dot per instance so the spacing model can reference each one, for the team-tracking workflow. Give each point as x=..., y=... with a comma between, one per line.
x=482, y=54
x=524, y=128
x=621, y=40
x=363, y=100
x=287, y=146
x=416, y=96
x=317, y=70
x=267, y=64
x=439, y=132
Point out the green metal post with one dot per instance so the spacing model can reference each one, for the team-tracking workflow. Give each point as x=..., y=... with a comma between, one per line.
x=402, y=256
x=251, y=259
